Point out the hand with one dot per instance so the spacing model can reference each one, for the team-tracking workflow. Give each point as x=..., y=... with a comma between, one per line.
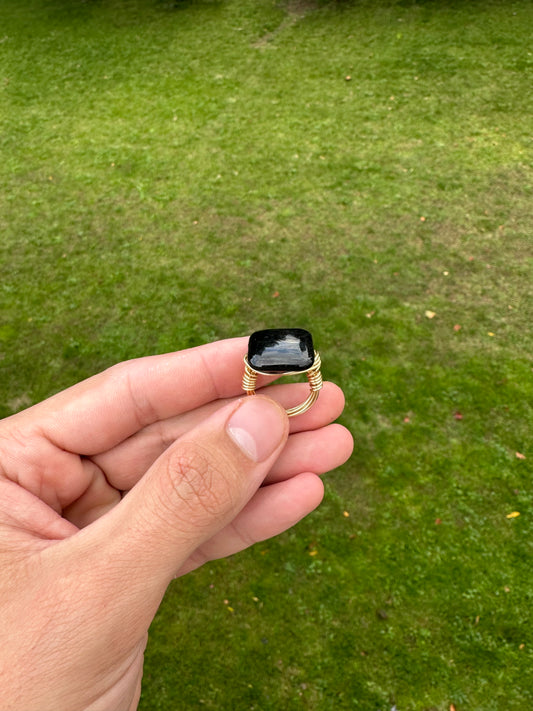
x=113, y=487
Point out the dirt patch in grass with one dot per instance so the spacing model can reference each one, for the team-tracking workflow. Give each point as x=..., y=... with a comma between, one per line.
x=295, y=11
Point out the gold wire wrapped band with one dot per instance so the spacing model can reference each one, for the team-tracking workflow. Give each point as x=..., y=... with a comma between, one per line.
x=314, y=376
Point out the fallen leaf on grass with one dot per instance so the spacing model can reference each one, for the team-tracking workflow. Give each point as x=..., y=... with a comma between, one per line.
x=519, y=455
x=457, y=327
x=513, y=514
x=457, y=416
x=430, y=314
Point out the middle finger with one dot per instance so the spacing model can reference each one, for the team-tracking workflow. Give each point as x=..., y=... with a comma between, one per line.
x=126, y=463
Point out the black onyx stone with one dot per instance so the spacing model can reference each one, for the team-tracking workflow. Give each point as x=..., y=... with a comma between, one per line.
x=281, y=350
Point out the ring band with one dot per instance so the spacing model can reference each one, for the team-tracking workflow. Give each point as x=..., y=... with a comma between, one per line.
x=283, y=351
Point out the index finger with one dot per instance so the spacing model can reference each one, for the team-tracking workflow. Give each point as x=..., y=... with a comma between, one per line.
x=103, y=410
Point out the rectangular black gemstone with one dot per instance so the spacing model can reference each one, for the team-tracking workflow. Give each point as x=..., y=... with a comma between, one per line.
x=281, y=350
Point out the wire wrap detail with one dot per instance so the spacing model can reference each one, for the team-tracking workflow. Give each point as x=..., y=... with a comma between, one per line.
x=314, y=377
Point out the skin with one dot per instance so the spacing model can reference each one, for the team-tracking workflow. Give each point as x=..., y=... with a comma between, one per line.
x=114, y=487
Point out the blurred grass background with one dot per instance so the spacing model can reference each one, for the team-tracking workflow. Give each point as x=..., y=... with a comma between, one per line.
x=178, y=172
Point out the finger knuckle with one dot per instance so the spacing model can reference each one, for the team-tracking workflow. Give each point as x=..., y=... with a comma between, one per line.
x=194, y=485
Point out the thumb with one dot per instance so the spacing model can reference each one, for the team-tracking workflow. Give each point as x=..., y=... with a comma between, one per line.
x=98, y=590
x=192, y=491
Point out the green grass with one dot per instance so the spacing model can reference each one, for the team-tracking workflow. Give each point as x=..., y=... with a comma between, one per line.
x=174, y=173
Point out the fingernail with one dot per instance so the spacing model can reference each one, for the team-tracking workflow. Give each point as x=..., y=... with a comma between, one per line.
x=257, y=427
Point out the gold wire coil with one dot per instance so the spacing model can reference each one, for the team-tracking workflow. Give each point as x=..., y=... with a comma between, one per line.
x=314, y=377
x=249, y=378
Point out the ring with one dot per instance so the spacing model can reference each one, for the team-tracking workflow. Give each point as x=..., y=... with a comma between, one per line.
x=283, y=351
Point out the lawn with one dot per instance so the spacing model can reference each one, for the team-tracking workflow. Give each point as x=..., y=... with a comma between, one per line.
x=177, y=172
